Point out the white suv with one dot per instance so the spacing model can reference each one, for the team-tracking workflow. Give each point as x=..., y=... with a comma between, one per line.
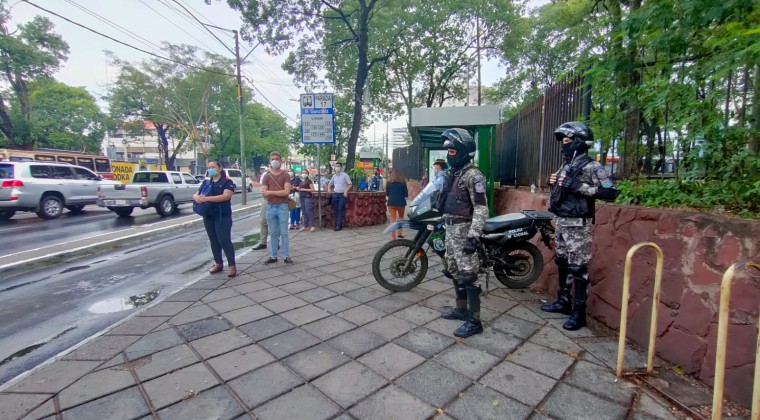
x=46, y=188
x=236, y=175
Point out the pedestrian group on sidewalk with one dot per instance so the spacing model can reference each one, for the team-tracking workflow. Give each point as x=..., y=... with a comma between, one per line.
x=462, y=201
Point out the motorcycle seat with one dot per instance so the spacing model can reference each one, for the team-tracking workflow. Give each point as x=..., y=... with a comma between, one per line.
x=538, y=214
x=507, y=222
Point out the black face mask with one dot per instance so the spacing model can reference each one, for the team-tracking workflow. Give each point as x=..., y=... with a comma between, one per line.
x=568, y=151
x=571, y=150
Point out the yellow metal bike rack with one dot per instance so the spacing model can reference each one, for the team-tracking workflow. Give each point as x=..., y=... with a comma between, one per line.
x=720, y=352
x=624, y=305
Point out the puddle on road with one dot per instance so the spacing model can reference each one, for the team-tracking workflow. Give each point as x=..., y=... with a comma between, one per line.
x=123, y=304
x=249, y=240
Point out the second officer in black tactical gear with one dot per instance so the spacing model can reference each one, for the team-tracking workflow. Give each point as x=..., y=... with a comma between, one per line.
x=574, y=189
x=464, y=208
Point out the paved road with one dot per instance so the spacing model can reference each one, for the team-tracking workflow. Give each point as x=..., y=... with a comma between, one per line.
x=47, y=311
x=26, y=231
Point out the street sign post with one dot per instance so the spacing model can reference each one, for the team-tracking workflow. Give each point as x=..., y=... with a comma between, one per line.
x=318, y=127
x=317, y=118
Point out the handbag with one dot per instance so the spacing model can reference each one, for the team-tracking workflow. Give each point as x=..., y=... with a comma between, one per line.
x=291, y=203
x=296, y=197
x=203, y=209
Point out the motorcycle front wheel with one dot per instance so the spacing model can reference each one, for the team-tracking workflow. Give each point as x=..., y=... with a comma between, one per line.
x=518, y=266
x=390, y=260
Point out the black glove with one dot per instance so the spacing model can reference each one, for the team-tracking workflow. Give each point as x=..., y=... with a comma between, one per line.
x=470, y=246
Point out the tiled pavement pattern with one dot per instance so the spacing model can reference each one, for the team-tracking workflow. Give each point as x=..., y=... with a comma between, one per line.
x=319, y=339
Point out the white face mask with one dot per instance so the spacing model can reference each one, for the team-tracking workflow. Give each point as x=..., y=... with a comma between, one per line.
x=275, y=164
x=304, y=176
x=337, y=170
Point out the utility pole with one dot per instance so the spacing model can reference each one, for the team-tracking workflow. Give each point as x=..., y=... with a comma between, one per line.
x=240, y=117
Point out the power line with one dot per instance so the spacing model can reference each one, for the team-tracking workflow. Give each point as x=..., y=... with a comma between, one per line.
x=115, y=25
x=204, y=26
x=285, y=88
x=177, y=26
x=192, y=22
x=126, y=44
x=270, y=103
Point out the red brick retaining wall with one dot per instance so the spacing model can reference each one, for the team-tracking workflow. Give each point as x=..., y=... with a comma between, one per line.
x=698, y=248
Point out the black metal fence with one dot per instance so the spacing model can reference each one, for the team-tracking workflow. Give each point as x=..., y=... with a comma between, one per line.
x=526, y=151
x=408, y=160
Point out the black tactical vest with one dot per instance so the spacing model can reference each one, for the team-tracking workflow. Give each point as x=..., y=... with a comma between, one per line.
x=566, y=203
x=455, y=197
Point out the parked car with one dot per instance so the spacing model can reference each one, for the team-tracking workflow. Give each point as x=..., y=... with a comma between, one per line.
x=164, y=190
x=236, y=175
x=47, y=188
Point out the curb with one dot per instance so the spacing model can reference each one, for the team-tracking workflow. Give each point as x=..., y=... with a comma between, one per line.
x=70, y=254
x=102, y=332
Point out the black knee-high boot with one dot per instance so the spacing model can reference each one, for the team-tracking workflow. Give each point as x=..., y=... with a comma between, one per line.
x=473, y=325
x=577, y=319
x=460, y=311
x=562, y=305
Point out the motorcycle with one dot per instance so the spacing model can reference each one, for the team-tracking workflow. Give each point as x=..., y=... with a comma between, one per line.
x=401, y=264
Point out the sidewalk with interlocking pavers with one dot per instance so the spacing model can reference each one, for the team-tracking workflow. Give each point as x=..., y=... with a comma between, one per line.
x=320, y=339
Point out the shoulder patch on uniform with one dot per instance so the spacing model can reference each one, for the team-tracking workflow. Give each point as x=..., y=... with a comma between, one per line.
x=601, y=173
x=478, y=183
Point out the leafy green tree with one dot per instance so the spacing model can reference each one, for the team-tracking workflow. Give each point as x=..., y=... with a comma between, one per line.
x=29, y=53
x=265, y=131
x=545, y=45
x=181, y=101
x=436, y=54
x=319, y=29
x=188, y=104
x=65, y=117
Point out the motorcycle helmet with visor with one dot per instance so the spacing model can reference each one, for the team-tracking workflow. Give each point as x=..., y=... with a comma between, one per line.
x=461, y=141
x=581, y=136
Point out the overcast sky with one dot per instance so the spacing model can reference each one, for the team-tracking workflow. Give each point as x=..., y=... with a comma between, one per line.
x=147, y=22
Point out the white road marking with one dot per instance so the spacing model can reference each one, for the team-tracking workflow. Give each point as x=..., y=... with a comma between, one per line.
x=196, y=219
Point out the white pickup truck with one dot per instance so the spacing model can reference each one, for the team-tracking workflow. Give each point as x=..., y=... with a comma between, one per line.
x=164, y=190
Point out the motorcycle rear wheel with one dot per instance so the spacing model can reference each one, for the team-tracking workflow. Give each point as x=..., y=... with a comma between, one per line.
x=525, y=265
x=388, y=266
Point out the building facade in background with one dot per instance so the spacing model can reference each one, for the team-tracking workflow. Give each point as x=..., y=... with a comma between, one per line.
x=141, y=146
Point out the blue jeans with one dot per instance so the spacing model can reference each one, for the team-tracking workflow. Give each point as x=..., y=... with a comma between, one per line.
x=295, y=216
x=277, y=220
x=339, y=207
x=307, y=210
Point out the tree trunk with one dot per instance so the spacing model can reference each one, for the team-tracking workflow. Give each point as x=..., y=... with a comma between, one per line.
x=362, y=71
x=628, y=78
x=164, y=143
x=754, y=141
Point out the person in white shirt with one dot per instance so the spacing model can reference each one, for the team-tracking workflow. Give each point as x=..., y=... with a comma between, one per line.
x=340, y=185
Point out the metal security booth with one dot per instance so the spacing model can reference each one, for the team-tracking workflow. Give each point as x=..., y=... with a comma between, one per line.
x=481, y=121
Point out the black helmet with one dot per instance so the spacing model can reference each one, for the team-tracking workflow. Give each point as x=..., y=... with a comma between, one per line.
x=461, y=140
x=581, y=135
